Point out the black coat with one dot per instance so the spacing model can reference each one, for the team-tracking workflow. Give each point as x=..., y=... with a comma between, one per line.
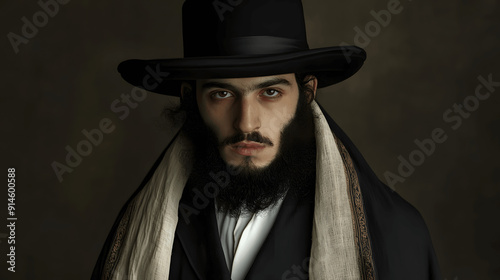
x=400, y=244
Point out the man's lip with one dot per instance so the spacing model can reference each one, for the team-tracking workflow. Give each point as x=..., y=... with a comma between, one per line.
x=247, y=148
x=248, y=145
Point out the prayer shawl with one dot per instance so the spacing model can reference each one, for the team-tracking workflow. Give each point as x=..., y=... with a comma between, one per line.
x=361, y=228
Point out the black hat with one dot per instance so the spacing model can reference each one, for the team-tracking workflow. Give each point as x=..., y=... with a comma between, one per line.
x=243, y=38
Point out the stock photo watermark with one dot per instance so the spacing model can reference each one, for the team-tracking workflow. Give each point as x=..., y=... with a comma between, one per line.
x=372, y=29
x=454, y=117
x=39, y=19
x=94, y=137
x=210, y=190
x=11, y=219
x=221, y=7
x=297, y=272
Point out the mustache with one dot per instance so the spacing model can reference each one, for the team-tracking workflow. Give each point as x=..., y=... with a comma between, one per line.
x=253, y=136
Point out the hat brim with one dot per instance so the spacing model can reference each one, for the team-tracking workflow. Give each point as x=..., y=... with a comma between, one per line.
x=330, y=65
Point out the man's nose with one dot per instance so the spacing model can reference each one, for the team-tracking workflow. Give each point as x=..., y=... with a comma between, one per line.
x=247, y=115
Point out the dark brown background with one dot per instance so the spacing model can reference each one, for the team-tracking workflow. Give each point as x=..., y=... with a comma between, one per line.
x=64, y=80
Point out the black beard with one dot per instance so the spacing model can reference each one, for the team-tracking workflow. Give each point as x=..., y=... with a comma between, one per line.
x=246, y=189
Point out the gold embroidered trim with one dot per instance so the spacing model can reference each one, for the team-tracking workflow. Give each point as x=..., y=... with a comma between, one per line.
x=114, y=253
x=361, y=237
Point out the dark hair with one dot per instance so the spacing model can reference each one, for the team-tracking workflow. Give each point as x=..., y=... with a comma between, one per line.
x=304, y=88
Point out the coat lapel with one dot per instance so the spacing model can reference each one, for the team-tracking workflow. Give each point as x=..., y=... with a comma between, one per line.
x=286, y=249
x=199, y=237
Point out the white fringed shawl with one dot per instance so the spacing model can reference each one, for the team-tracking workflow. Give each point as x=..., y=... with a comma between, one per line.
x=143, y=242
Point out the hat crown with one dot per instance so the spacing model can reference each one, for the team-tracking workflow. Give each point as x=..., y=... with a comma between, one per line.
x=242, y=27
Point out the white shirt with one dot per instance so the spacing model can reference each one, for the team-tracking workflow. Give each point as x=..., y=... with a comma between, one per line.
x=241, y=237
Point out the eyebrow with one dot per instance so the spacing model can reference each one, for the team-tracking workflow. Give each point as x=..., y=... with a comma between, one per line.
x=233, y=88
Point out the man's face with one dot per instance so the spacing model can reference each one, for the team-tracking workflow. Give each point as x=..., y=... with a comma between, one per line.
x=258, y=108
x=260, y=128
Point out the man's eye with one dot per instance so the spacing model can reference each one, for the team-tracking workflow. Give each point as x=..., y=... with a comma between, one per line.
x=271, y=93
x=221, y=94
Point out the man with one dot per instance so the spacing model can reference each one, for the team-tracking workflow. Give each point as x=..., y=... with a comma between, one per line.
x=259, y=183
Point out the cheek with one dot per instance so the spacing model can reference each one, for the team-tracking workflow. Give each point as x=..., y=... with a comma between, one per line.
x=280, y=116
x=215, y=119
x=277, y=123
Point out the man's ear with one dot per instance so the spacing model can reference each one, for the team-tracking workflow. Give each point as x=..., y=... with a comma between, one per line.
x=312, y=82
x=186, y=88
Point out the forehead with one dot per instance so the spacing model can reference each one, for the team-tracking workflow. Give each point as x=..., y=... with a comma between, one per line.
x=248, y=83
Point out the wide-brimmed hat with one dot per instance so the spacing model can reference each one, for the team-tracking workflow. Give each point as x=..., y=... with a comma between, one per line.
x=243, y=38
